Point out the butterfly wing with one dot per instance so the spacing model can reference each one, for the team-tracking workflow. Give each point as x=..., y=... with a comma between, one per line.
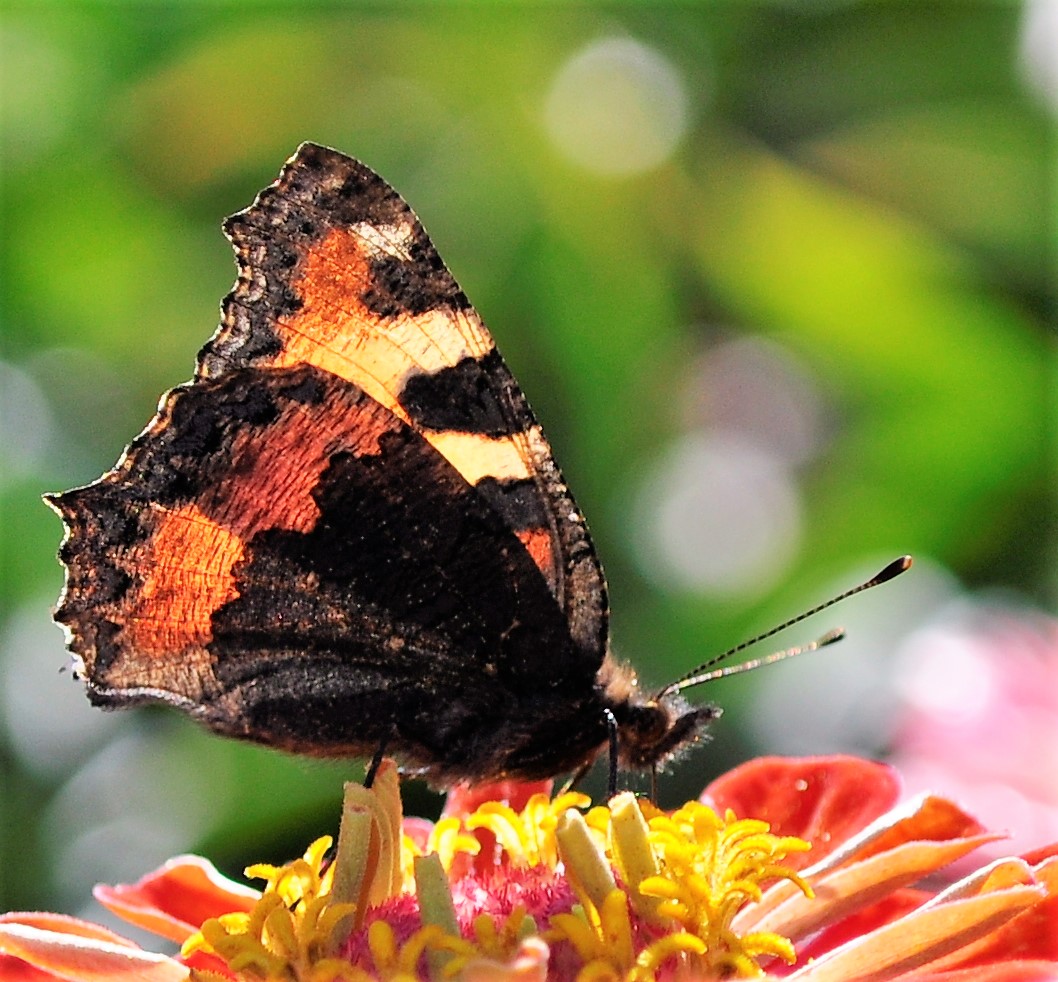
x=349, y=518
x=336, y=271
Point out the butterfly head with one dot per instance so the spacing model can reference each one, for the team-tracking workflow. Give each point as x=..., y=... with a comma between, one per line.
x=651, y=730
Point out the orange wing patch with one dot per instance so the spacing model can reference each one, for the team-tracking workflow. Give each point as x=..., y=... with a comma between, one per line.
x=335, y=331
x=187, y=566
x=171, y=565
x=537, y=543
x=277, y=476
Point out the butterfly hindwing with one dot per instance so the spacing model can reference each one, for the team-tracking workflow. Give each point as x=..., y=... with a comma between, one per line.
x=318, y=622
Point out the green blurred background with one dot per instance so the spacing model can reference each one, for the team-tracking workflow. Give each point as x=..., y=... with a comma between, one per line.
x=777, y=278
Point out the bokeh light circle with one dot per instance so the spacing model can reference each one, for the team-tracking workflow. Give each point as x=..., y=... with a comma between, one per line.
x=617, y=108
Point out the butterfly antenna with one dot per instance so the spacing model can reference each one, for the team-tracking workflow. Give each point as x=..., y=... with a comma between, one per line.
x=707, y=671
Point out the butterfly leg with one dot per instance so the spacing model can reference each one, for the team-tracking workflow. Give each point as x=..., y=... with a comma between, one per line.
x=581, y=772
x=372, y=770
x=576, y=777
x=611, y=783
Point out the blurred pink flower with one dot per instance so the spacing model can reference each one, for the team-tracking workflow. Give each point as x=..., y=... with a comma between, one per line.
x=980, y=719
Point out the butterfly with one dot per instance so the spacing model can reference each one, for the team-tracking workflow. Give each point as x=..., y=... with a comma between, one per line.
x=348, y=529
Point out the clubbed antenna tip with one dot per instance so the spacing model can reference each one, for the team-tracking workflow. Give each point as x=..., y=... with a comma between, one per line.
x=895, y=568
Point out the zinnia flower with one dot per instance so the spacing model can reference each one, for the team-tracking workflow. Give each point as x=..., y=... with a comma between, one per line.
x=809, y=869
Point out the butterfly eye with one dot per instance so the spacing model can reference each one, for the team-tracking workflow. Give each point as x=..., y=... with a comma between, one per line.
x=651, y=732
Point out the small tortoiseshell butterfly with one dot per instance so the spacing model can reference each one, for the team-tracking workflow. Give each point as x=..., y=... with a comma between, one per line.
x=348, y=529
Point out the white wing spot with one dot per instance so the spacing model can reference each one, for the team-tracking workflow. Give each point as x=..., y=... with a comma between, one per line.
x=393, y=240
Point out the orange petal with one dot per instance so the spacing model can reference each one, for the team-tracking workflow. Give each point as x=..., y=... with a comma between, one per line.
x=870, y=918
x=824, y=800
x=916, y=941
x=841, y=892
x=16, y=970
x=920, y=819
x=924, y=817
x=1037, y=856
x=926, y=821
x=79, y=958
x=64, y=924
x=175, y=900
x=464, y=798
x=1031, y=935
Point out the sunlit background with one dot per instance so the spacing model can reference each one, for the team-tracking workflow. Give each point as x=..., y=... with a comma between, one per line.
x=777, y=278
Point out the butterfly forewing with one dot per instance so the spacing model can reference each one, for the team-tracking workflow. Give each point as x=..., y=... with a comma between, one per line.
x=336, y=271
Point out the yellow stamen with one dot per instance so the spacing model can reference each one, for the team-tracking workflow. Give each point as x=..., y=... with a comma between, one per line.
x=602, y=938
x=309, y=906
x=655, y=955
x=447, y=838
x=289, y=932
x=632, y=853
x=710, y=869
x=528, y=837
x=586, y=868
x=683, y=879
x=688, y=874
x=502, y=944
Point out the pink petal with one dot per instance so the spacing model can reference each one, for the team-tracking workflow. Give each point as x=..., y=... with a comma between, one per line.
x=177, y=898
x=821, y=799
x=75, y=957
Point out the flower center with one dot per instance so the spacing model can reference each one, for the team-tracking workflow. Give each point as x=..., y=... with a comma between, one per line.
x=623, y=892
